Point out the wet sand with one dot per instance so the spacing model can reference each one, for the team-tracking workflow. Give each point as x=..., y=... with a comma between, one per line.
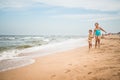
x=75, y=64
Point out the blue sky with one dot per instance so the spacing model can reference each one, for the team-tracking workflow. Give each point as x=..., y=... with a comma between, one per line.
x=58, y=17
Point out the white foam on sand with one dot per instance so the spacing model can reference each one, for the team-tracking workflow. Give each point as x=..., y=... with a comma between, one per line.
x=9, y=64
x=10, y=54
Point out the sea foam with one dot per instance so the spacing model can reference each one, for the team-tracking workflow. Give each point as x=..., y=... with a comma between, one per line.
x=9, y=64
x=54, y=47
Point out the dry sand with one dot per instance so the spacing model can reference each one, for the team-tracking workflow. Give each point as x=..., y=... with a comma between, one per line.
x=76, y=64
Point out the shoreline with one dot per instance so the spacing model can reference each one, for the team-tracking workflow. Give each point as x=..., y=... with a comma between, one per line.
x=31, y=53
x=55, y=46
x=74, y=64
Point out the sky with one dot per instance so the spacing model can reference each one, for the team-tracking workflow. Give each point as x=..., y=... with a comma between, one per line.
x=58, y=17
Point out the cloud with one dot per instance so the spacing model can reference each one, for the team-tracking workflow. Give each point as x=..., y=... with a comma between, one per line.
x=4, y=4
x=88, y=17
x=103, y=5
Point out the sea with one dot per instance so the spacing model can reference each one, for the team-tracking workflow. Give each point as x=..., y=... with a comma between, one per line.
x=19, y=50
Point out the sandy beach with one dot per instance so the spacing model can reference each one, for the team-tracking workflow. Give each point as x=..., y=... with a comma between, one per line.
x=75, y=64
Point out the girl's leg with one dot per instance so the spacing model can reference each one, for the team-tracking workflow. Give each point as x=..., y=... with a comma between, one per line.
x=91, y=45
x=99, y=42
x=96, y=41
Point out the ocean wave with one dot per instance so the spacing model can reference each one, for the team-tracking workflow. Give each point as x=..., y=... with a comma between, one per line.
x=7, y=38
x=23, y=46
x=29, y=38
x=54, y=47
x=3, y=49
x=9, y=54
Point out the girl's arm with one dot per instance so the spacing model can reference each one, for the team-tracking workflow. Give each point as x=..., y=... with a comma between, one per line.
x=103, y=30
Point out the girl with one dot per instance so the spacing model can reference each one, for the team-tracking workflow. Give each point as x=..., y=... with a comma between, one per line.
x=90, y=36
x=97, y=33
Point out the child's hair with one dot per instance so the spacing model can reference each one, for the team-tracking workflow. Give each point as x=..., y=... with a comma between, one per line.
x=96, y=23
x=90, y=30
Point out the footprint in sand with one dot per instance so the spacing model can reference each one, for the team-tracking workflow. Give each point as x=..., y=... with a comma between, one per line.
x=117, y=51
x=67, y=71
x=70, y=64
x=53, y=76
x=118, y=74
x=89, y=72
x=85, y=65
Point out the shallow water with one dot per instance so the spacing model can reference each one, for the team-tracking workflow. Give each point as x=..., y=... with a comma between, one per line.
x=18, y=51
